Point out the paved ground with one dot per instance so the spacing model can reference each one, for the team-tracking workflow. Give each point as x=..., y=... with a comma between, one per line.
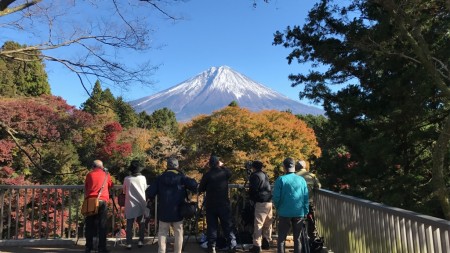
x=150, y=246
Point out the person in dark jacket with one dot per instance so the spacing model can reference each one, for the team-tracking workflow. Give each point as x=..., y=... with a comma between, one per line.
x=171, y=187
x=217, y=204
x=260, y=192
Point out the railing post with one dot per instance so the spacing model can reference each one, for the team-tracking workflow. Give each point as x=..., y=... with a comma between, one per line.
x=351, y=224
x=348, y=224
x=2, y=198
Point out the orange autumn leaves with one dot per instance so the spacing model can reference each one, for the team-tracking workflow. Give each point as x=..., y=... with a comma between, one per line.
x=239, y=135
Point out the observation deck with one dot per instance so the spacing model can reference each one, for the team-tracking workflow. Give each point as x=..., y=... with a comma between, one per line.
x=47, y=219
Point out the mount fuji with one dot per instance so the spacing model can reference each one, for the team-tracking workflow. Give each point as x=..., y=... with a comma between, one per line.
x=214, y=89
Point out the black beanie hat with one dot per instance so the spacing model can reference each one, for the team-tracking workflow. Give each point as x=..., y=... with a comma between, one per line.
x=258, y=165
x=135, y=167
x=213, y=161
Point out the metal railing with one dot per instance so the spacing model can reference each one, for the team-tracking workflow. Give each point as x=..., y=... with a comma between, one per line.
x=53, y=212
x=50, y=212
x=355, y=225
x=348, y=224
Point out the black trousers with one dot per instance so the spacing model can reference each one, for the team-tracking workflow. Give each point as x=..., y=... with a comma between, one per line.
x=284, y=224
x=214, y=214
x=96, y=225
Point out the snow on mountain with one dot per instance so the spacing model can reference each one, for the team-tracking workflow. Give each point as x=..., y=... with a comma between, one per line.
x=214, y=89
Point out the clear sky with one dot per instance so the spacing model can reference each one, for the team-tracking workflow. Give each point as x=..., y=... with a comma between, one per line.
x=211, y=33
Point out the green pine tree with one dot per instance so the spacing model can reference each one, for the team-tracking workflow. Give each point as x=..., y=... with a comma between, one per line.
x=22, y=73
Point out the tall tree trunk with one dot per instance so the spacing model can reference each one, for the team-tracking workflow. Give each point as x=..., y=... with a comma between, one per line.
x=421, y=49
x=439, y=153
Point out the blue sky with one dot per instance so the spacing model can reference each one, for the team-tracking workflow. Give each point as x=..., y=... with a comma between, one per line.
x=211, y=33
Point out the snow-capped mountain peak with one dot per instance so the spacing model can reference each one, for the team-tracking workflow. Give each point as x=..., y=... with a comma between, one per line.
x=215, y=88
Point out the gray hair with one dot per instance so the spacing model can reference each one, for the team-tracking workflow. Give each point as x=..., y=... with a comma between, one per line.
x=97, y=164
x=172, y=163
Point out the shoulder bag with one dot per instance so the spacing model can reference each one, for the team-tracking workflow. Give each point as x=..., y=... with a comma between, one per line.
x=90, y=205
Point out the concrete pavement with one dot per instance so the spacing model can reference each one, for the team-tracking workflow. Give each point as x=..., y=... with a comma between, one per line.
x=149, y=246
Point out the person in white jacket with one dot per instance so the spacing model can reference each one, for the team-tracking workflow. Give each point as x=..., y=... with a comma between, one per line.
x=134, y=187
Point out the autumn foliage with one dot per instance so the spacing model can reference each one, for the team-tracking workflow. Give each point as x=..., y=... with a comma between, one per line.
x=109, y=147
x=46, y=141
x=239, y=135
x=41, y=143
x=33, y=127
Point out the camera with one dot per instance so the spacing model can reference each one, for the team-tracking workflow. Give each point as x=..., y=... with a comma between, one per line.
x=248, y=165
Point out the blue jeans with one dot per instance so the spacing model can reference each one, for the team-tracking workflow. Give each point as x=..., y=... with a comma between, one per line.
x=284, y=224
x=96, y=225
x=213, y=215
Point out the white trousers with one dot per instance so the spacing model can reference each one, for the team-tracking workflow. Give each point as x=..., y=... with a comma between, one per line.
x=163, y=232
x=263, y=222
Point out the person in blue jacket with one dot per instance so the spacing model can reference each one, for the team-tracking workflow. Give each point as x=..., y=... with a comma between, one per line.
x=290, y=197
x=171, y=187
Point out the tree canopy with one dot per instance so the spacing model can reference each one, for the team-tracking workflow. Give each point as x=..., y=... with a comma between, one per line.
x=391, y=116
x=22, y=78
x=238, y=135
x=39, y=137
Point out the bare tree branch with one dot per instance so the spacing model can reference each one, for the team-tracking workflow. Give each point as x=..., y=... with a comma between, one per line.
x=93, y=63
x=4, y=10
x=444, y=67
x=9, y=131
x=101, y=39
x=151, y=2
x=120, y=15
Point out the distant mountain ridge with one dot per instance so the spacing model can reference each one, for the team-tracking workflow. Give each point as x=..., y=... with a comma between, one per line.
x=214, y=89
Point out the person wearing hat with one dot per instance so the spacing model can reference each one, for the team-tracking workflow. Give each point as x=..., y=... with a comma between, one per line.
x=217, y=203
x=170, y=187
x=311, y=179
x=290, y=197
x=260, y=193
x=313, y=183
x=134, y=187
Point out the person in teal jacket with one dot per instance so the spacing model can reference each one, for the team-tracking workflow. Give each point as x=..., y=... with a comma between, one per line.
x=290, y=197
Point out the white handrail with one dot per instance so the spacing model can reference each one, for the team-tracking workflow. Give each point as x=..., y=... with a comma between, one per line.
x=350, y=224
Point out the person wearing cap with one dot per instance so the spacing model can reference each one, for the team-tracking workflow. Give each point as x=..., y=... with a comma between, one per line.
x=134, y=187
x=260, y=193
x=311, y=179
x=97, y=182
x=290, y=197
x=217, y=203
x=313, y=183
x=170, y=187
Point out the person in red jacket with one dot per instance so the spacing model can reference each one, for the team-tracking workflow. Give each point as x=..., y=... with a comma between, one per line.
x=98, y=183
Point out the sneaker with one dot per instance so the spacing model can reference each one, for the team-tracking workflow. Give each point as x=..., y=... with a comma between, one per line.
x=128, y=246
x=211, y=250
x=255, y=249
x=265, y=244
x=140, y=244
